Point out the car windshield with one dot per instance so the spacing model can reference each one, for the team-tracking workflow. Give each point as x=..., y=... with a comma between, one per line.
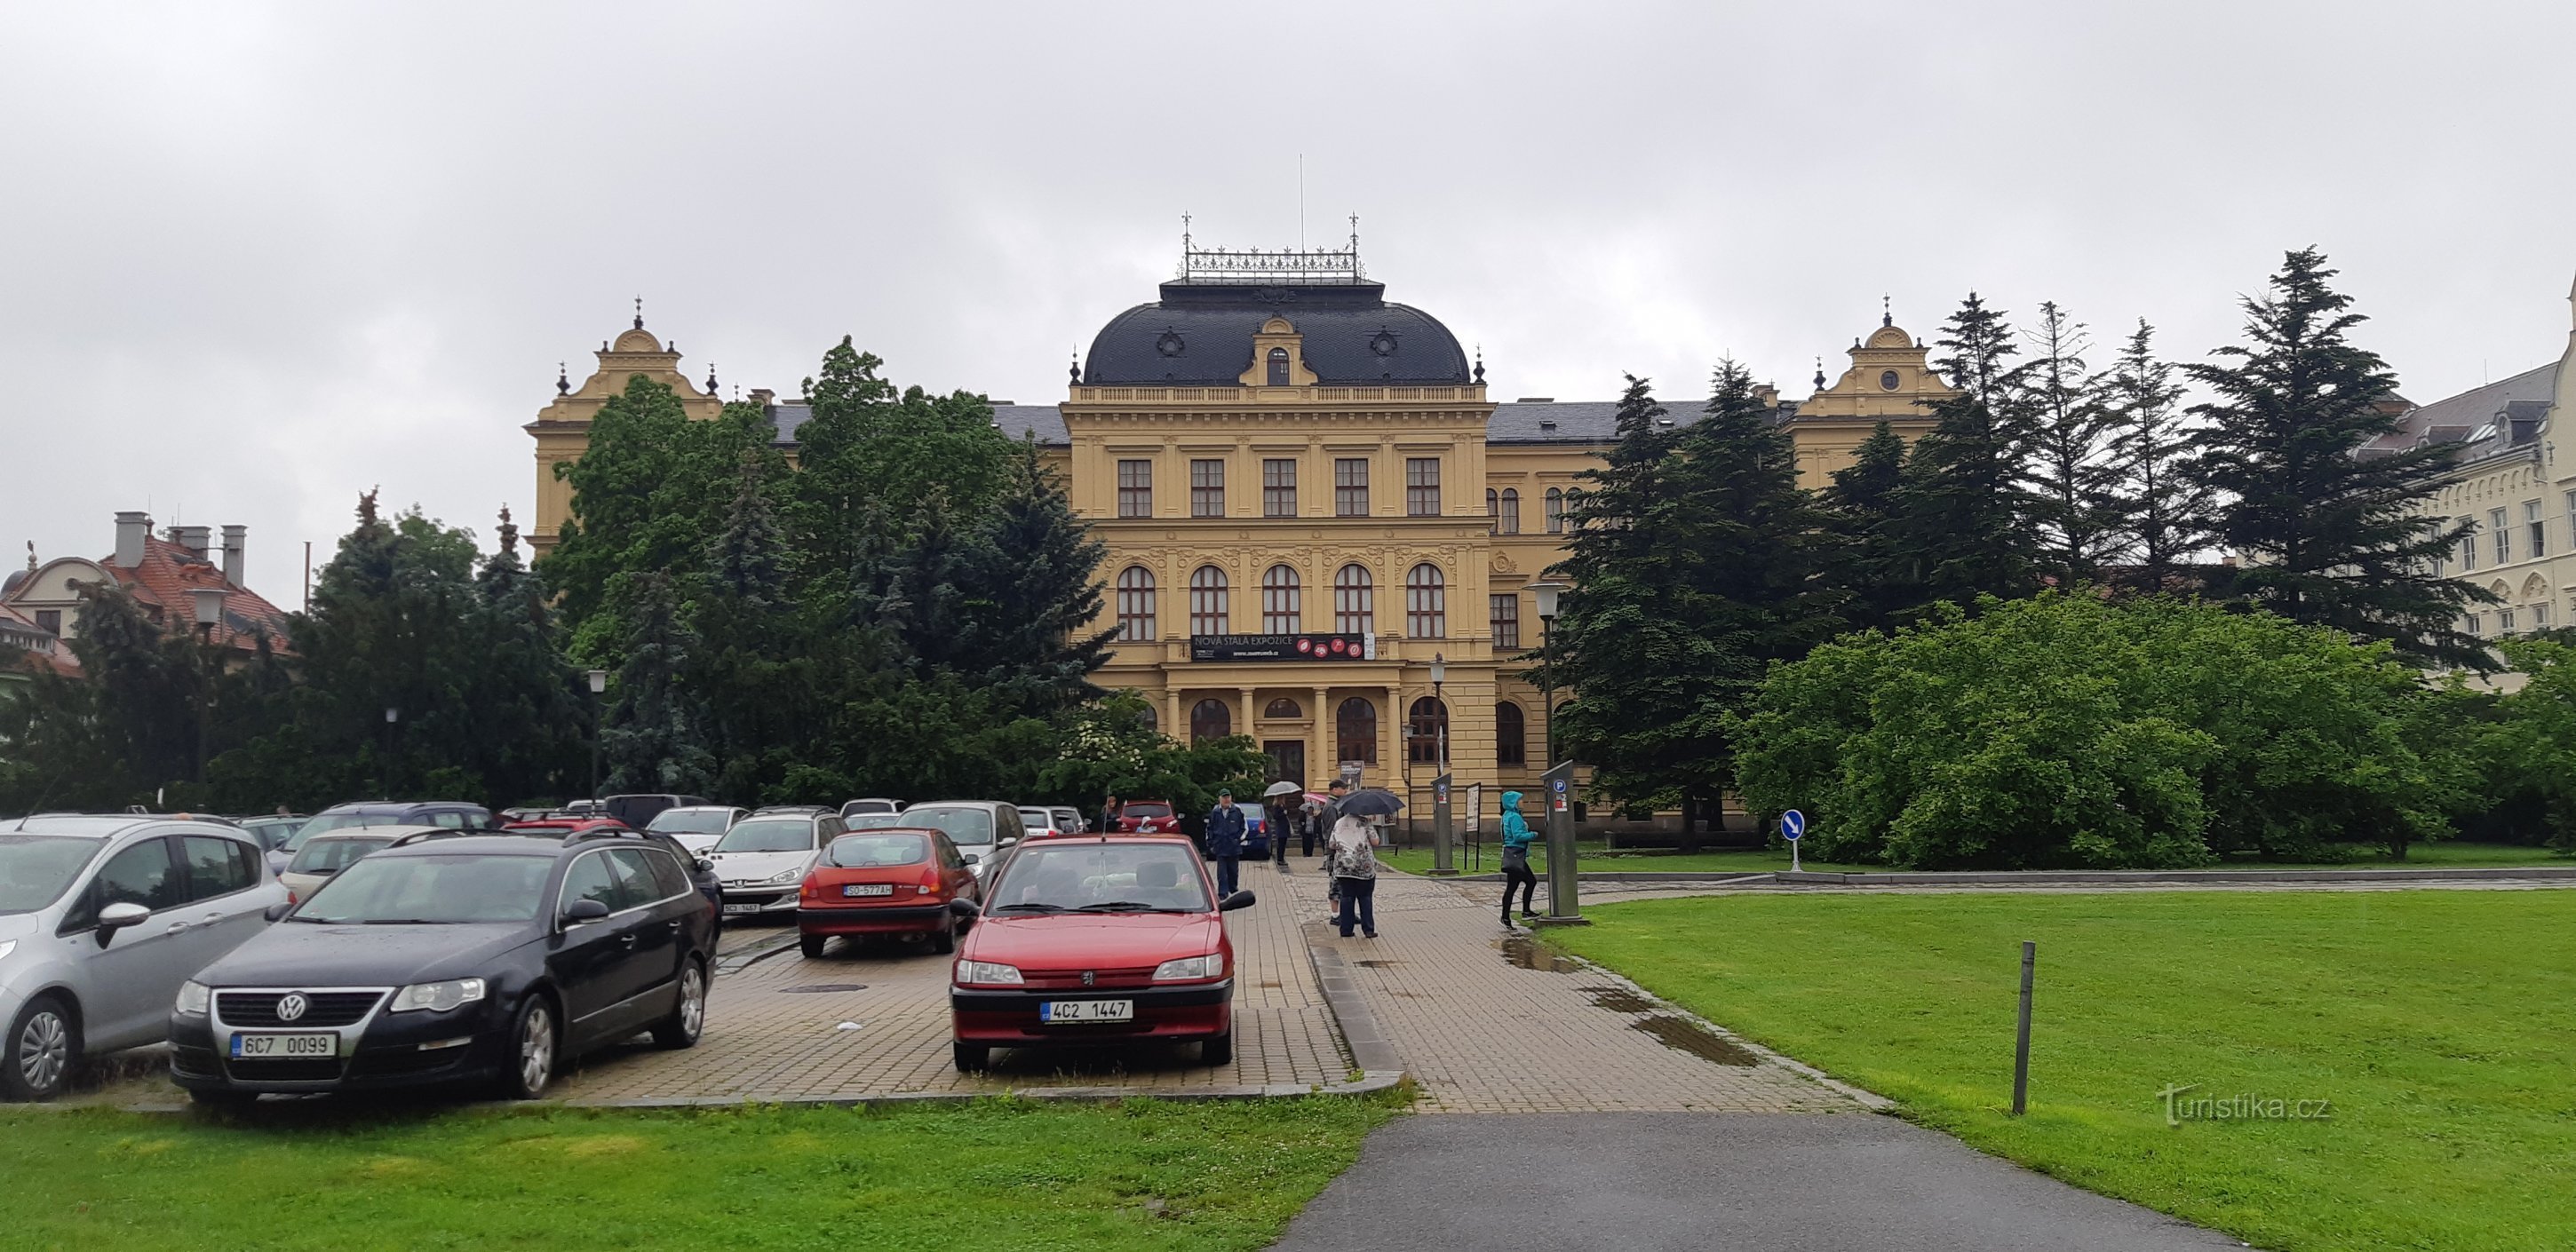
x=690, y=821
x=1035, y=819
x=1156, y=809
x=769, y=834
x=330, y=856
x=34, y=869
x=872, y=821
x=337, y=821
x=391, y=890
x=1059, y=877
x=969, y=826
x=878, y=851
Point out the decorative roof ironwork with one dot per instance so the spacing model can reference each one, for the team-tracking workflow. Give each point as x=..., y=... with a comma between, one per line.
x=1284, y=267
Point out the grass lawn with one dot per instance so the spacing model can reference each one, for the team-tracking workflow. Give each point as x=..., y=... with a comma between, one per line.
x=2437, y=1023
x=1597, y=858
x=1142, y=1175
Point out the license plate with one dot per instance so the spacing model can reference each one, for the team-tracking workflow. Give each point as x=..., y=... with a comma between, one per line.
x=742, y=908
x=868, y=889
x=1070, y=1011
x=257, y=1047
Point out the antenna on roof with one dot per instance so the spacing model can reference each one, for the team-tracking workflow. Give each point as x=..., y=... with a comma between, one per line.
x=1301, y=200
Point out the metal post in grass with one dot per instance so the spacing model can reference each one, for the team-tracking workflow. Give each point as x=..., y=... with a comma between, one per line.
x=2021, y=1043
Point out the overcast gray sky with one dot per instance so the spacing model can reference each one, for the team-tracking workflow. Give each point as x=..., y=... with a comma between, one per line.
x=257, y=258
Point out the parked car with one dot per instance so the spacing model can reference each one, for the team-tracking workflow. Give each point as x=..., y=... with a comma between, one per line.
x=696, y=826
x=1041, y=823
x=452, y=814
x=1069, y=819
x=1256, y=831
x=871, y=821
x=895, y=881
x=274, y=829
x=1084, y=940
x=702, y=872
x=482, y=959
x=327, y=854
x=101, y=919
x=878, y=805
x=983, y=829
x=1147, y=817
x=765, y=856
x=638, y=811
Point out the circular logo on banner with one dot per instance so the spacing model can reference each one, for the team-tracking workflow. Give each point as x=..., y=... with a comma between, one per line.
x=1341, y=646
x=1306, y=645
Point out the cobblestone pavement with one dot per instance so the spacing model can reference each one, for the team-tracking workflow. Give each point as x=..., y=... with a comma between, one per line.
x=1488, y=1022
x=873, y=1021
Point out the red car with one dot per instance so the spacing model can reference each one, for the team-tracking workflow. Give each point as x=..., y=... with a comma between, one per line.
x=1089, y=940
x=1148, y=817
x=892, y=880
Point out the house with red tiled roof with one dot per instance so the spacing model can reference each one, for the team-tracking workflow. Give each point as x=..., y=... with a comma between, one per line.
x=177, y=580
x=26, y=648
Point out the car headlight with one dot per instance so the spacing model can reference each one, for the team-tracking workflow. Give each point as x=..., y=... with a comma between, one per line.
x=1210, y=966
x=787, y=875
x=194, y=997
x=437, y=997
x=986, y=972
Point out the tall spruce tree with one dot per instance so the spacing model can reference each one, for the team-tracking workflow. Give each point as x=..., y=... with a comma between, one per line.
x=1962, y=520
x=2164, y=516
x=1862, y=503
x=654, y=736
x=523, y=683
x=2073, y=485
x=2326, y=527
x=1032, y=577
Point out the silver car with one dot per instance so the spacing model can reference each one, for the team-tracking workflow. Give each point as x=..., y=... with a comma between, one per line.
x=101, y=919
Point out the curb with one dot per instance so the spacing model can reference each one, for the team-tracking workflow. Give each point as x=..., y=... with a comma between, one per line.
x=2007, y=878
x=1370, y=1048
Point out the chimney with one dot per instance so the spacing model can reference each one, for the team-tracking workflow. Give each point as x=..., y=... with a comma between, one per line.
x=196, y=539
x=131, y=530
x=763, y=397
x=234, y=537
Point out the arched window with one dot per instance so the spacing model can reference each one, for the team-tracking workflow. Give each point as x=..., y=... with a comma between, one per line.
x=1355, y=731
x=1354, y=603
x=1208, y=614
x=1509, y=521
x=1426, y=603
x=1136, y=605
x=1429, y=721
x=1151, y=719
x=1556, y=510
x=1278, y=367
x=1493, y=511
x=1210, y=719
x=1282, y=602
x=1283, y=709
x=1511, y=735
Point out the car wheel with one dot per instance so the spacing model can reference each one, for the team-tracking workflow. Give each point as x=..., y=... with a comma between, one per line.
x=972, y=1057
x=944, y=940
x=41, y=1052
x=534, y=1042
x=1218, y=1050
x=812, y=945
x=689, y=1017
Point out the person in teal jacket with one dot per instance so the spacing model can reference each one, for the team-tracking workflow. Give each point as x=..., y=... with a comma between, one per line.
x=1516, y=866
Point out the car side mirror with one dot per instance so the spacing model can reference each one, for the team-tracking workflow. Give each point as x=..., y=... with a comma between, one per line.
x=118, y=916
x=278, y=911
x=970, y=858
x=1239, y=900
x=706, y=866
x=965, y=908
x=580, y=911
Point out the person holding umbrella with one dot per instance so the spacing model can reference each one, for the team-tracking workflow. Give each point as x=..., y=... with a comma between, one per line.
x=1225, y=841
x=1281, y=800
x=1350, y=859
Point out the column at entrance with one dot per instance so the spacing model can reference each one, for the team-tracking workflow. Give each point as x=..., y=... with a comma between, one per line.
x=1174, y=723
x=1247, y=726
x=1319, y=740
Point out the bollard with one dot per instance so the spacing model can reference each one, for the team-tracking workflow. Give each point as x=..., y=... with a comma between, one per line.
x=2021, y=1044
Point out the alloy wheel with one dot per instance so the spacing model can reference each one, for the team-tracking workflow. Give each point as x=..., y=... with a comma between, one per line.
x=536, y=1051
x=693, y=1000
x=44, y=1051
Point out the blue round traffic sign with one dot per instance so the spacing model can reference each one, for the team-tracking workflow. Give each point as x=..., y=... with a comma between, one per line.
x=1793, y=824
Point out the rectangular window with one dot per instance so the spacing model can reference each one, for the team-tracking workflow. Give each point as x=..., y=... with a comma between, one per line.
x=2504, y=621
x=2469, y=546
x=1350, y=487
x=1207, y=488
x=1507, y=620
x=50, y=621
x=1422, y=486
x=2503, y=537
x=1135, y=489
x=1279, y=487
x=2471, y=623
x=2540, y=617
x=2538, y=529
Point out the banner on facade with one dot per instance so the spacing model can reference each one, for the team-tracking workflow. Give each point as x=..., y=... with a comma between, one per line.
x=1279, y=647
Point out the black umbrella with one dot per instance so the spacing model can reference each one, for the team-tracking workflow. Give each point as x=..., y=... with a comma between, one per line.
x=1371, y=802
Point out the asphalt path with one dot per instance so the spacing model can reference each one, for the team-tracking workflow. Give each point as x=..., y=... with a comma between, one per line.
x=1644, y=1182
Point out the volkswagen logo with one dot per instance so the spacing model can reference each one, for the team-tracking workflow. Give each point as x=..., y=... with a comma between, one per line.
x=1089, y=978
x=292, y=1006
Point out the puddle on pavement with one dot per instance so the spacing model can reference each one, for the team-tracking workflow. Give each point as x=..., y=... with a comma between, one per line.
x=1683, y=1035
x=1619, y=1000
x=815, y=987
x=1528, y=953
x=1377, y=964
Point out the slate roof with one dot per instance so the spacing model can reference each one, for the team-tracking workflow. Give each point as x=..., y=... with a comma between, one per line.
x=1014, y=420
x=1200, y=334
x=1517, y=422
x=2488, y=420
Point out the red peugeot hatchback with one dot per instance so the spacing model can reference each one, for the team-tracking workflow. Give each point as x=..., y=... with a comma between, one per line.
x=889, y=881
x=1094, y=940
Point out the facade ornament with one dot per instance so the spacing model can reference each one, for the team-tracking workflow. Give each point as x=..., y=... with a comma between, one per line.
x=711, y=378
x=639, y=312
x=563, y=380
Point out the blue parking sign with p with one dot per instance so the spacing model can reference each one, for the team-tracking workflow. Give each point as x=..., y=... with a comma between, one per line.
x=1793, y=824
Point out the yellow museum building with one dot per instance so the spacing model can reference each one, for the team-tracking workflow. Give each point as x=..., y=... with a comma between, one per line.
x=1310, y=502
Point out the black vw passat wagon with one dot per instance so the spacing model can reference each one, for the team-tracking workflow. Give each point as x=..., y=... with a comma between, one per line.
x=474, y=959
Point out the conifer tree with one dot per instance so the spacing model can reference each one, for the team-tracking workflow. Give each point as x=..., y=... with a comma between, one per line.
x=2073, y=484
x=654, y=736
x=2163, y=515
x=1032, y=579
x=1861, y=503
x=2325, y=527
x=1962, y=519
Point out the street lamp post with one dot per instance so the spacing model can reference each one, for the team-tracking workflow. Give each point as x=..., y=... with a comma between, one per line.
x=393, y=716
x=1546, y=591
x=598, y=683
x=1440, y=708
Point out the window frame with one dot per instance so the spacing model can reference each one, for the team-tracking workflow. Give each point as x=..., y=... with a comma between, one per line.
x=1207, y=487
x=1283, y=603
x=1508, y=522
x=242, y=852
x=1279, y=487
x=1555, y=510
x=1223, y=720
x=1422, y=486
x=1211, y=603
x=2536, y=536
x=1350, y=486
x=1343, y=738
x=1503, y=618
x=1511, y=734
x=81, y=915
x=2503, y=536
x=1354, y=603
x=1142, y=593
x=1426, y=602
x=1135, y=487
x=1422, y=747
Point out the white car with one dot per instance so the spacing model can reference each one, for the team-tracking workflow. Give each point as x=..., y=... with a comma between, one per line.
x=1043, y=823
x=332, y=851
x=765, y=857
x=696, y=827
x=984, y=830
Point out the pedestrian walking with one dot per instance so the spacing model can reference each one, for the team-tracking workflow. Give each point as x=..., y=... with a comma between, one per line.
x=1516, y=866
x=1283, y=816
x=1225, y=842
x=1350, y=858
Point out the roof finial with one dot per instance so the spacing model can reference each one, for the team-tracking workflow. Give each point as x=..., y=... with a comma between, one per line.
x=1886, y=312
x=1820, y=373
x=639, y=312
x=31, y=556
x=1185, y=234
x=1075, y=369
x=1480, y=365
x=711, y=378
x=563, y=381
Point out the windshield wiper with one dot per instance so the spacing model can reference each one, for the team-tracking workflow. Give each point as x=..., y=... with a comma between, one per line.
x=408, y=921
x=1034, y=908
x=1130, y=906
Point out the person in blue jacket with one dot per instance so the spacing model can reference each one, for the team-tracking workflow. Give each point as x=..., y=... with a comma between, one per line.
x=1516, y=866
x=1225, y=841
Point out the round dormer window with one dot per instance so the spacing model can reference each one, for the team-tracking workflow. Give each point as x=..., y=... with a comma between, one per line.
x=1887, y=380
x=1383, y=344
x=1170, y=344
